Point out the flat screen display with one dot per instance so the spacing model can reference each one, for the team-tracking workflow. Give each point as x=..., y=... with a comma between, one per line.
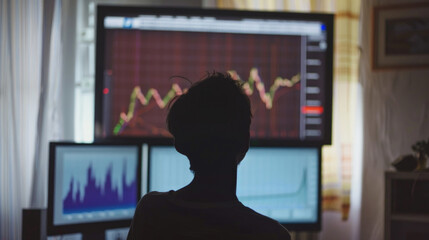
x=281, y=183
x=92, y=183
x=284, y=61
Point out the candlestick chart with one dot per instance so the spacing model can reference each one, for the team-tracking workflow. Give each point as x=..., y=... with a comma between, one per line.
x=255, y=81
x=138, y=86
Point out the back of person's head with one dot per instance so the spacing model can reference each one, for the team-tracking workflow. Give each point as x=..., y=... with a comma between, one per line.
x=210, y=122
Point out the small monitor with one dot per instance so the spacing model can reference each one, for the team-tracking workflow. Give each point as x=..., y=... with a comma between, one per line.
x=282, y=183
x=92, y=187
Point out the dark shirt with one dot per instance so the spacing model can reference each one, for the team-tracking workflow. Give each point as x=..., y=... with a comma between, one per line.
x=163, y=216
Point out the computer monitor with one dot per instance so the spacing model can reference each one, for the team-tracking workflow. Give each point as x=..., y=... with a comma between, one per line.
x=280, y=182
x=92, y=187
x=283, y=59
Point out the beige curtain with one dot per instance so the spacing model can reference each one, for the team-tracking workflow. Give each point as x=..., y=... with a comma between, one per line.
x=337, y=158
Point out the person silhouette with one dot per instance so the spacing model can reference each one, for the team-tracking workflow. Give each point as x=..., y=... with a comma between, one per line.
x=210, y=124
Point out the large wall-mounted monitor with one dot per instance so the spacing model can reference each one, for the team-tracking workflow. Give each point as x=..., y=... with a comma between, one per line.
x=92, y=187
x=284, y=60
x=282, y=183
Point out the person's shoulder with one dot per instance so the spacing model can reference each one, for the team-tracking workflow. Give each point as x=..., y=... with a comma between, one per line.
x=152, y=199
x=254, y=216
x=154, y=195
x=267, y=225
x=149, y=208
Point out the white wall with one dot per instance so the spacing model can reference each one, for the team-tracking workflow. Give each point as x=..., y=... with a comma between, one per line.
x=396, y=115
x=395, y=105
x=68, y=68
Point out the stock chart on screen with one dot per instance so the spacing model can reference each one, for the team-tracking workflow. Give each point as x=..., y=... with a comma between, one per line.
x=281, y=183
x=148, y=59
x=94, y=183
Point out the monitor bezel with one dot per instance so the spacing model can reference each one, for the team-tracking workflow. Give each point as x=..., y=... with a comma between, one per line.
x=90, y=227
x=109, y=10
x=298, y=226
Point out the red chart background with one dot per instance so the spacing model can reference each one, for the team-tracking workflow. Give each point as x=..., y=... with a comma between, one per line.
x=149, y=58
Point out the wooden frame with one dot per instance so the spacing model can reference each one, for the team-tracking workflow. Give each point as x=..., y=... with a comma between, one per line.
x=400, y=36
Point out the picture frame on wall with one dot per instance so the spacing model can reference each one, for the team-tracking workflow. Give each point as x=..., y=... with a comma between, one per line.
x=400, y=36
